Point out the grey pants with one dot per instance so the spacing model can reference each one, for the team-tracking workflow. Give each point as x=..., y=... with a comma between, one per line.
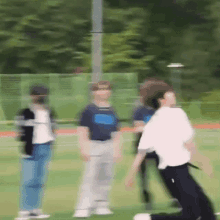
x=98, y=176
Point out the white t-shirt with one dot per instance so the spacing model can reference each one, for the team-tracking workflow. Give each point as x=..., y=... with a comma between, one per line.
x=166, y=133
x=42, y=128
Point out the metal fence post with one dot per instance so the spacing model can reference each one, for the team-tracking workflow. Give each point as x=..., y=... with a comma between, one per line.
x=96, y=40
x=21, y=98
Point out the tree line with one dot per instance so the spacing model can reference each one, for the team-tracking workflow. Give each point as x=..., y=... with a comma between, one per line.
x=54, y=36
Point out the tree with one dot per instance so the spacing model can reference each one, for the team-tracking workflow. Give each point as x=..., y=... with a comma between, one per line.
x=42, y=36
x=122, y=49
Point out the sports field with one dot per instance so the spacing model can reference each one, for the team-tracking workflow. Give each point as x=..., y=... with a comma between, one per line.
x=66, y=172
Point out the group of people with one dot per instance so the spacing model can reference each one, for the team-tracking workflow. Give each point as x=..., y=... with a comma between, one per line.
x=163, y=133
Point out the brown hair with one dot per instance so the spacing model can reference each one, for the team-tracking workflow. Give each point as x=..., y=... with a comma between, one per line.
x=146, y=83
x=101, y=85
x=153, y=90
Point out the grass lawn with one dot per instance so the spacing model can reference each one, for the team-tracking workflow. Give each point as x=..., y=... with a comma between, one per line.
x=66, y=172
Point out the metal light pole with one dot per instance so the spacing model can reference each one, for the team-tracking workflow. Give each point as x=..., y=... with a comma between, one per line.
x=97, y=40
x=176, y=69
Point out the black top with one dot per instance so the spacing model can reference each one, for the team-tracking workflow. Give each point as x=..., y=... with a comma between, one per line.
x=141, y=113
x=25, y=125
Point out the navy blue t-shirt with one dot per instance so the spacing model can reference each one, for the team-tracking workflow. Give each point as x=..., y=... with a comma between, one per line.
x=142, y=113
x=101, y=121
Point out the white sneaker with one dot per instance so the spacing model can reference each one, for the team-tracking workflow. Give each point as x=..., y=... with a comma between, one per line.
x=103, y=211
x=23, y=215
x=142, y=216
x=82, y=214
x=38, y=214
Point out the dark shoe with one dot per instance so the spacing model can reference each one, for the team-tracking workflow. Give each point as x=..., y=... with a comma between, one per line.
x=38, y=214
x=146, y=198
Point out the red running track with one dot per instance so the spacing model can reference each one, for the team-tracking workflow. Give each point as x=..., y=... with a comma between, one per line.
x=125, y=129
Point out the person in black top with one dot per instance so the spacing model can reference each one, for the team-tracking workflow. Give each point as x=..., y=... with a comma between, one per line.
x=36, y=130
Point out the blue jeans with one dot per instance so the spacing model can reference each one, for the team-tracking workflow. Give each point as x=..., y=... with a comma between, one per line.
x=34, y=173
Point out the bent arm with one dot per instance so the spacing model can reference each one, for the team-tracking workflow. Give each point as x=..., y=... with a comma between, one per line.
x=196, y=156
x=138, y=126
x=19, y=126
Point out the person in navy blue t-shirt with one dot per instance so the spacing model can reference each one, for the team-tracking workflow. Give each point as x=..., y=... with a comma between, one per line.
x=141, y=116
x=99, y=139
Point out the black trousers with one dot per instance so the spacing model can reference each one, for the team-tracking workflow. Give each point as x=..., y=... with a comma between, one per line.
x=143, y=174
x=196, y=205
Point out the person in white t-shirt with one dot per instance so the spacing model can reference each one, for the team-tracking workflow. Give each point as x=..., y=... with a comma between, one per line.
x=170, y=134
x=36, y=130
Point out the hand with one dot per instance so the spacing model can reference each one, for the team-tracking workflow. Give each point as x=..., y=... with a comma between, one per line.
x=85, y=156
x=139, y=129
x=207, y=167
x=117, y=157
x=129, y=183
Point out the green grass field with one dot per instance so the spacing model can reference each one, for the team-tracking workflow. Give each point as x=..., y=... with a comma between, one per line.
x=66, y=172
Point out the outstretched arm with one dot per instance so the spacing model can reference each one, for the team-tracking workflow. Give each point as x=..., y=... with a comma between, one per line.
x=129, y=182
x=203, y=161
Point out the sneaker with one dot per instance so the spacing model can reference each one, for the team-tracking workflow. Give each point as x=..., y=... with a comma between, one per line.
x=38, y=214
x=23, y=215
x=143, y=216
x=103, y=211
x=82, y=213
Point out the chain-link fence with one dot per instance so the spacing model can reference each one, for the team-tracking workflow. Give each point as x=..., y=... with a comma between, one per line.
x=69, y=93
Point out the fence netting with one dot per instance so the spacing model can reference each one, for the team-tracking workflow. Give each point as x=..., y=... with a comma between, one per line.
x=69, y=93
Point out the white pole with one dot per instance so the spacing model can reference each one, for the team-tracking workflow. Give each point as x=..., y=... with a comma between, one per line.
x=176, y=77
x=96, y=40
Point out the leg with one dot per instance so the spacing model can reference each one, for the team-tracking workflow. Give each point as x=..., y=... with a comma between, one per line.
x=86, y=193
x=28, y=192
x=105, y=176
x=169, y=185
x=44, y=157
x=145, y=178
x=207, y=209
x=168, y=182
x=146, y=196
x=193, y=200
x=142, y=174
